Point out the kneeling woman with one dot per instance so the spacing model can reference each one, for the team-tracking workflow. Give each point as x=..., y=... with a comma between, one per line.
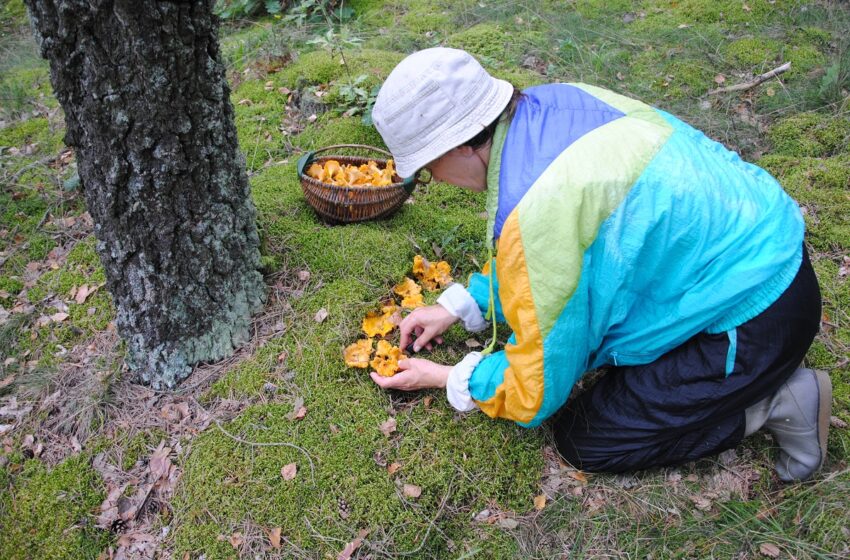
x=626, y=240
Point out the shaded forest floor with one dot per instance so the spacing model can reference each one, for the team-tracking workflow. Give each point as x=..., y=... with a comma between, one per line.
x=196, y=473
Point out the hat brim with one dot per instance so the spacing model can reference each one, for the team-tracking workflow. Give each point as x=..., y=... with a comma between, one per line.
x=463, y=129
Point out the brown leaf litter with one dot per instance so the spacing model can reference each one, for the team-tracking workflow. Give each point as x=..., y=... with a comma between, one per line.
x=87, y=393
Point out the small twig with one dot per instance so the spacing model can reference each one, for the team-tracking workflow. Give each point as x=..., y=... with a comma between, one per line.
x=260, y=444
x=759, y=79
x=27, y=167
x=431, y=524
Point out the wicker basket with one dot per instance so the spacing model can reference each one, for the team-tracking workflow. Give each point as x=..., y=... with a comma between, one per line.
x=352, y=204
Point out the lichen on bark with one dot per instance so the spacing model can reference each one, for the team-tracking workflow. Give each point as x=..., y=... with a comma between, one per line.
x=147, y=110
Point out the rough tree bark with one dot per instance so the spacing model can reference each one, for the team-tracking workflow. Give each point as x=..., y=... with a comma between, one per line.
x=147, y=110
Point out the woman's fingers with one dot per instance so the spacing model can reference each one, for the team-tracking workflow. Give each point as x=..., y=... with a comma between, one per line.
x=401, y=381
x=408, y=326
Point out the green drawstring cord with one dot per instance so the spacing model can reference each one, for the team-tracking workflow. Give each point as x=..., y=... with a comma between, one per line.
x=491, y=314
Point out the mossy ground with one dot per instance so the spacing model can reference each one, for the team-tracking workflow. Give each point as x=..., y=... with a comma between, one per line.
x=667, y=54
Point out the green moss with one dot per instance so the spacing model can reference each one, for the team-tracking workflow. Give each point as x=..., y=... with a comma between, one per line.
x=21, y=210
x=141, y=445
x=810, y=35
x=811, y=135
x=20, y=86
x=598, y=9
x=10, y=284
x=30, y=131
x=731, y=11
x=753, y=53
x=246, y=380
x=362, y=7
x=820, y=186
x=319, y=67
x=520, y=78
x=39, y=246
x=48, y=513
x=675, y=77
x=803, y=59
x=13, y=12
x=423, y=17
x=330, y=130
x=487, y=41
x=500, y=464
x=81, y=266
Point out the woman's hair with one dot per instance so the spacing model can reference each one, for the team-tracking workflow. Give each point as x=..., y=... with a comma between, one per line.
x=485, y=135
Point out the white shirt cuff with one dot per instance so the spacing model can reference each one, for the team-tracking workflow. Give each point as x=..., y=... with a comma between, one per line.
x=457, y=301
x=457, y=385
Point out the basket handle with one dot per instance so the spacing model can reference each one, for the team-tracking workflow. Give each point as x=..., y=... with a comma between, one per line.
x=409, y=183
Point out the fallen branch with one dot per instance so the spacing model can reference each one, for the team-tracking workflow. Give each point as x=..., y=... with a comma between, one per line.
x=749, y=85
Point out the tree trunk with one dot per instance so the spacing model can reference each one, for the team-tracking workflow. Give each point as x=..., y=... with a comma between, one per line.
x=147, y=110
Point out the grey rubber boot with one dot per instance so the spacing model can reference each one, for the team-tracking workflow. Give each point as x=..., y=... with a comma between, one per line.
x=798, y=417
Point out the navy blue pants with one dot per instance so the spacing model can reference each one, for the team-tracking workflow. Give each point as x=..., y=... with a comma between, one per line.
x=683, y=406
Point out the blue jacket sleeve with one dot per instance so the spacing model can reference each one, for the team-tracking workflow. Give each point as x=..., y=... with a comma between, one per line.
x=479, y=289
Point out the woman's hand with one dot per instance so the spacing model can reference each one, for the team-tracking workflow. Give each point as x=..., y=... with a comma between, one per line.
x=415, y=373
x=427, y=323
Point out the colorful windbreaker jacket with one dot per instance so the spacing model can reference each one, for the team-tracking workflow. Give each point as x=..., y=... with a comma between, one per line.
x=620, y=232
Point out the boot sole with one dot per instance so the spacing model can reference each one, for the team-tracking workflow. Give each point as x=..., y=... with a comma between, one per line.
x=824, y=411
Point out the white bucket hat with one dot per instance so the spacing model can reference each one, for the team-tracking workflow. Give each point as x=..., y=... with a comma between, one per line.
x=433, y=101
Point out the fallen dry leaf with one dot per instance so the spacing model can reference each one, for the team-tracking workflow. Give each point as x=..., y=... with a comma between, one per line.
x=352, y=547
x=540, y=502
x=301, y=413
x=472, y=343
x=58, y=317
x=578, y=475
x=159, y=463
x=296, y=409
x=834, y=421
x=7, y=380
x=392, y=468
x=412, y=490
x=427, y=401
x=719, y=79
x=129, y=539
x=769, y=549
x=83, y=292
x=482, y=516
x=236, y=539
x=508, y=523
x=321, y=315
x=289, y=471
x=701, y=503
x=274, y=537
x=388, y=427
